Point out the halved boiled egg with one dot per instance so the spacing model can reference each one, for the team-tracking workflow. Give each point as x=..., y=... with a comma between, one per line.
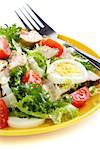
x=66, y=71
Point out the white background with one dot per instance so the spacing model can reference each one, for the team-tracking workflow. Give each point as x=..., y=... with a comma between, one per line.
x=78, y=19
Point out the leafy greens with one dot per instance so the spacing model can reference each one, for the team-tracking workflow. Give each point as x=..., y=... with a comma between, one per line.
x=84, y=62
x=12, y=32
x=16, y=75
x=38, y=57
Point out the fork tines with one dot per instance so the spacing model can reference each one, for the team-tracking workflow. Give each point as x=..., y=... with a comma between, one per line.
x=38, y=24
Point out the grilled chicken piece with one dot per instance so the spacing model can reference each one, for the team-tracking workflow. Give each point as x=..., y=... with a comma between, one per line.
x=29, y=38
x=48, y=52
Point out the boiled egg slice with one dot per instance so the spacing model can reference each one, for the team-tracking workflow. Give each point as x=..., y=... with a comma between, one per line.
x=16, y=122
x=67, y=71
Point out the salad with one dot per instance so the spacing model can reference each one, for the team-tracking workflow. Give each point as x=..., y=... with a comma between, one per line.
x=41, y=79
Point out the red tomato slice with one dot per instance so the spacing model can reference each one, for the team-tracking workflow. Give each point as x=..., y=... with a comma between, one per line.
x=31, y=77
x=80, y=96
x=4, y=48
x=53, y=44
x=3, y=114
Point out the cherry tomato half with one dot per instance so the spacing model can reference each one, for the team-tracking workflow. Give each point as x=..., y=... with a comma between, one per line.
x=80, y=96
x=3, y=114
x=31, y=77
x=4, y=48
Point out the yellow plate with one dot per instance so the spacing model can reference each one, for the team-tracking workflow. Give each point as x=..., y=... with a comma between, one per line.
x=92, y=105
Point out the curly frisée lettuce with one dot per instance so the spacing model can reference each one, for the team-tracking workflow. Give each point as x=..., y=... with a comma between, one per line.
x=33, y=105
x=40, y=107
x=34, y=66
x=12, y=32
x=36, y=104
x=83, y=61
x=16, y=74
x=38, y=57
x=69, y=110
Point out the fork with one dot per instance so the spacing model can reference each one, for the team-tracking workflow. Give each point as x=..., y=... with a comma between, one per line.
x=45, y=29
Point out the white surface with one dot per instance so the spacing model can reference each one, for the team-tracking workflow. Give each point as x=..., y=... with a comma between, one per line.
x=78, y=19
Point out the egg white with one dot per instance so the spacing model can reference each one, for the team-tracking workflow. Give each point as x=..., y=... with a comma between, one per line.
x=16, y=122
x=74, y=78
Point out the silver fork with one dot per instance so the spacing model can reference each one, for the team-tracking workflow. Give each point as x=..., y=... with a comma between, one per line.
x=45, y=29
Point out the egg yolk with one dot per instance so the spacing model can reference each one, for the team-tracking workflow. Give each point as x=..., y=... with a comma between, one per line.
x=66, y=68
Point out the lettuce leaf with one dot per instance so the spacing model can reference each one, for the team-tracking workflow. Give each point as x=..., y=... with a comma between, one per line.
x=56, y=115
x=30, y=105
x=12, y=32
x=72, y=111
x=34, y=66
x=69, y=110
x=39, y=107
x=84, y=62
x=38, y=57
x=16, y=74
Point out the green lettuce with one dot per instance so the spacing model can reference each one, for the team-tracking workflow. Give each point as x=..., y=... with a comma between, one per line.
x=69, y=110
x=88, y=66
x=40, y=107
x=16, y=75
x=39, y=58
x=84, y=62
x=12, y=32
